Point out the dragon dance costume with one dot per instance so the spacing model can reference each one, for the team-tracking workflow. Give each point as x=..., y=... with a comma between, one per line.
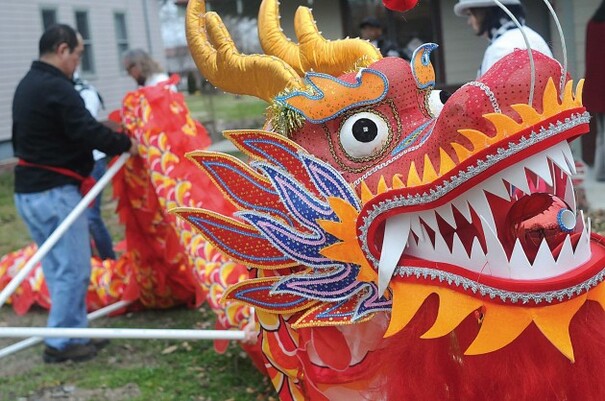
x=396, y=248
x=404, y=249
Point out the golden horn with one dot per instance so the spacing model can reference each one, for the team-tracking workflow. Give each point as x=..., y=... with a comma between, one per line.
x=219, y=61
x=272, y=38
x=330, y=57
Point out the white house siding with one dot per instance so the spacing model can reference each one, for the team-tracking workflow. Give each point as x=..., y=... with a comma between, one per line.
x=462, y=50
x=21, y=28
x=583, y=10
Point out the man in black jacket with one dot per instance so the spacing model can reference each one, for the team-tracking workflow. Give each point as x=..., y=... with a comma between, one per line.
x=53, y=137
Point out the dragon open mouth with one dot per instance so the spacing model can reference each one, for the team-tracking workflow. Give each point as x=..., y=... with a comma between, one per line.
x=517, y=224
x=505, y=228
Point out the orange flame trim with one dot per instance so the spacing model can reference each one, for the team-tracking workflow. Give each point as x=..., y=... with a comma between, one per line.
x=331, y=96
x=506, y=126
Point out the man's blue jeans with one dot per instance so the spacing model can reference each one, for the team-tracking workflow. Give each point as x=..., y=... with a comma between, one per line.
x=67, y=266
x=98, y=231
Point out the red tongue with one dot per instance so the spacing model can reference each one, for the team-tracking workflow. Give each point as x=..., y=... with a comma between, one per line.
x=538, y=217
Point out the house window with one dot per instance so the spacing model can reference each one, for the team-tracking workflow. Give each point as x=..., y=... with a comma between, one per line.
x=121, y=35
x=87, y=63
x=49, y=17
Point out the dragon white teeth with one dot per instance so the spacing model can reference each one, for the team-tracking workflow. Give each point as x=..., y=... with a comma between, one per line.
x=516, y=177
x=539, y=165
x=479, y=203
x=418, y=229
x=414, y=247
x=543, y=266
x=569, y=157
x=427, y=238
x=447, y=214
x=570, y=195
x=461, y=204
x=477, y=256
x=396, y=235
x=583, y=252
x=556, y=155
x=430, y=219
x=496, y=186
x=518, y=260
x=496, y=257
x=566, y=255
x=460, y=257
x=441, y=245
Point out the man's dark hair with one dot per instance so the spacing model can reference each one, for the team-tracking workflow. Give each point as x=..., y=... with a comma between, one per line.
x=54, y=36
x=371, y=22
x=490, y=17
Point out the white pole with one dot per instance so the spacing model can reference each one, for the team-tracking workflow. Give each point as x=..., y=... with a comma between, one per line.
x=107, y=310
x=152, y=334
x=21, y=345
x=58, y=233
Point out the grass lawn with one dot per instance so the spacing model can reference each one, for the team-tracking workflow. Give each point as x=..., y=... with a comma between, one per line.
x=137, y=370
x=134, y=370
x=225, y=107
x=13, y=233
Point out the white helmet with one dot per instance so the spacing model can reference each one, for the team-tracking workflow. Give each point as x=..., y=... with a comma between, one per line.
x=463, y=5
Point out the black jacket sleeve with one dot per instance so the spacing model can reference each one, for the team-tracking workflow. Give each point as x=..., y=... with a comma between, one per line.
x=82, y=127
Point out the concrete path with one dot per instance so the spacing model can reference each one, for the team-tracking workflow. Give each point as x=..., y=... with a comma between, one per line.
x=595, y=191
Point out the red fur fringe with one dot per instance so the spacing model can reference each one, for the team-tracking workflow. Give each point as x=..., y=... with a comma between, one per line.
x=530, y=368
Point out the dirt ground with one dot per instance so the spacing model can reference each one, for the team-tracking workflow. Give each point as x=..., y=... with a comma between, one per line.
x=72, y=393
x=22, y=362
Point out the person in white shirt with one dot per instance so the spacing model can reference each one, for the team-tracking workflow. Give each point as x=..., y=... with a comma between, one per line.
x=488, y=20
x=143, y=68
x=98, y=231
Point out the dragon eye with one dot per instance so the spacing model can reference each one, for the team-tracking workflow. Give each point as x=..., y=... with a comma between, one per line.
x=437, y=99
x=364, y=134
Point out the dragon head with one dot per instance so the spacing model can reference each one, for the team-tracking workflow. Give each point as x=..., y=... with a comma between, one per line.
x=366, y=193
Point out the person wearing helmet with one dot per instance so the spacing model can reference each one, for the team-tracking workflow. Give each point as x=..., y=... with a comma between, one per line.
x=372, y=30
x=488, y=20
